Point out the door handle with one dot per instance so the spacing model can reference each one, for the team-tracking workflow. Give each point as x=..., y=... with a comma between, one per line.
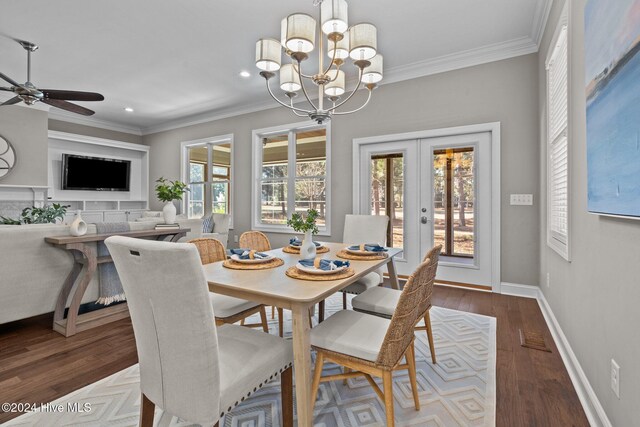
x=424, y=219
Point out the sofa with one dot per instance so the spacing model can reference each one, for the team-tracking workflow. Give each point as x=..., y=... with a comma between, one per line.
x=32, y=271
x=218, y=227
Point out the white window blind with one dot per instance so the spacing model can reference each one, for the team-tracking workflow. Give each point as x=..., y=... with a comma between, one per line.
x=557, y=146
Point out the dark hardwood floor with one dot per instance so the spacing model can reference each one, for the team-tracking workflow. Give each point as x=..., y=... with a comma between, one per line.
x=533, y=387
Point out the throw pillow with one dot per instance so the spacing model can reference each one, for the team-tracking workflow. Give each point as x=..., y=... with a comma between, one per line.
x=207, y=224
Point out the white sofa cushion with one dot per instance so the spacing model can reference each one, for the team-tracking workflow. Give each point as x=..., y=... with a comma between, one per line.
x=248, y=360
x=379, y=300
x=225, y=306
x=350, y=332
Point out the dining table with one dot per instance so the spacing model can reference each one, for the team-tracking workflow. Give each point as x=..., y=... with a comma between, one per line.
x=273, y=287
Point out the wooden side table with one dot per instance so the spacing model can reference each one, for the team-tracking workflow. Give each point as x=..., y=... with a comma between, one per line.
x=85, y=263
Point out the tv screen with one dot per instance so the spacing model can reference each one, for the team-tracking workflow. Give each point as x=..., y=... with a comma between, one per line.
x=94, y=173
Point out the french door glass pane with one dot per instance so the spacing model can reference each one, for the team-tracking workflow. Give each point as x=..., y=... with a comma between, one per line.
x=220, y=197
x=196, y=201
x=454, y=199
x=273, y=207
x=310, y=194
x=387, y=194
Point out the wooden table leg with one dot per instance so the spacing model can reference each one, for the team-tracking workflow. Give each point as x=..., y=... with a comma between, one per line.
x=91, y=263
x=63, y=296
x=302, y=364
x=393, y=275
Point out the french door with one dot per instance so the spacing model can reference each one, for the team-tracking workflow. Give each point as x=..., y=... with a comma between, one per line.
x=435, y=191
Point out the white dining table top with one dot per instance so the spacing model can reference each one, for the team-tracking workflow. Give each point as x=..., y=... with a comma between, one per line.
x=273, y=286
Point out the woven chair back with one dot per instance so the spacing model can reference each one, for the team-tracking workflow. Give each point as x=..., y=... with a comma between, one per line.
x=255, y=240
x=210, y=250
x=407, y=314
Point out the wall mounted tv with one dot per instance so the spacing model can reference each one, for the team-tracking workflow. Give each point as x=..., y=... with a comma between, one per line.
x=95, y=173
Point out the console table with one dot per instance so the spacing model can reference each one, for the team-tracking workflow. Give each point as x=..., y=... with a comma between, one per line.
x=84, y=266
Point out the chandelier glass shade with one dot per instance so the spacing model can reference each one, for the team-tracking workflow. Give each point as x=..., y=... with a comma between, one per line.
x=300, y=35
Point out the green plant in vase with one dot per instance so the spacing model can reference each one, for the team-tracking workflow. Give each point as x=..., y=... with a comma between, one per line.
x=306, y=225
x=168, y=191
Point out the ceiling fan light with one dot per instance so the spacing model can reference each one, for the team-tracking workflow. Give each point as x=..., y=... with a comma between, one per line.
x=289, y=79
x=333, y=15
x=335, y=87
x=301, y=33
x=362, y=41
x=373, y=73
x=268, y=55
x=342, y=51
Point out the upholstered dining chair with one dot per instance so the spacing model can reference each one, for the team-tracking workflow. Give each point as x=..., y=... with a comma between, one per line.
x=374, y=346
x=258, y=241
x=228, y=309
x=381, y=301
x=359, y=229
x=189, y=367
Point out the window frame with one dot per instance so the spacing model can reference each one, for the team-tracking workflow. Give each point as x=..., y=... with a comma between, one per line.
x=209, y=178
x=559, y=242
x=256, y=175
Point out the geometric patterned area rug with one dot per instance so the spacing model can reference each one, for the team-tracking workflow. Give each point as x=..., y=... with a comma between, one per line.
x=460, y=390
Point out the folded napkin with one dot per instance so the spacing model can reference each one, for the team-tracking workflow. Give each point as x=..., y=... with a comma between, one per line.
x=294, y=241
x=369, y=247
x=248, y=254
x=324, y=264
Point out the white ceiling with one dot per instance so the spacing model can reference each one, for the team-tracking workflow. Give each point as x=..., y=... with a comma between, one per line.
x=177, y=61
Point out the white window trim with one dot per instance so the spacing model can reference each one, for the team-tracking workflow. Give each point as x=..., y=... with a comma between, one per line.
x=559, y=246
x=184, y=170
x=256, y=173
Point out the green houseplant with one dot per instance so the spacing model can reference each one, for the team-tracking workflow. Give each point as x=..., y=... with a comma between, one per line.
x=48, y=214
x=167, y=191
x=309, y=228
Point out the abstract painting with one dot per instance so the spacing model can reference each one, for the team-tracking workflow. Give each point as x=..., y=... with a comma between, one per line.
x=612, y=66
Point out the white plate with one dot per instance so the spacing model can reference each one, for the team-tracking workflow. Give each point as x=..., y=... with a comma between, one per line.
x=313, y=270
x=359, y=252
x=237, y=258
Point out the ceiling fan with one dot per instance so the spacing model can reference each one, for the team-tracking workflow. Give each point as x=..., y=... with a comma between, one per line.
x=30, y=94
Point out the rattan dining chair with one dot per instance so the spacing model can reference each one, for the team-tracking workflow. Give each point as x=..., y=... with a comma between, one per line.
x=374, y=346
x=258, y=241
x=189, y=367
x=381, y=301
x=228, y=309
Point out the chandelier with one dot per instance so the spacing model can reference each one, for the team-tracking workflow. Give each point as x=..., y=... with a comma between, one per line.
x=298, y=40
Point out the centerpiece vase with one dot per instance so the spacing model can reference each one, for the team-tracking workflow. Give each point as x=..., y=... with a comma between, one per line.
x=308, y=248
x=169, y=213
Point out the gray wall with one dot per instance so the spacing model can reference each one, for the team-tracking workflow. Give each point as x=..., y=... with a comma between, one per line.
x=505, y=91
x=595, y=296
x=92, y=131
x=26, y=130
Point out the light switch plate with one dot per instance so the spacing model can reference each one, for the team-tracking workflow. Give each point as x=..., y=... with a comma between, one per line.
x=522, y=199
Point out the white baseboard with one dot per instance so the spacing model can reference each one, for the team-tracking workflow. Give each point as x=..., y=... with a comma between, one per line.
x=593, y=409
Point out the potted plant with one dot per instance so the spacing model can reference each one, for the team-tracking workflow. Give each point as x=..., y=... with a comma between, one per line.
x=168, y=191
x=47, y=214
x=309, y=228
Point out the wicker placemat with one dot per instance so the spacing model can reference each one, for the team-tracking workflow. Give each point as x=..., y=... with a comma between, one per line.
x=373, y=257
x=292, y=250
x=276, y=262
x=297, y=274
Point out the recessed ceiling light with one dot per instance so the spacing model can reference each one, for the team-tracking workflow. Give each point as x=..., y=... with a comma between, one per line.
x=128, y=109
x=245, y=74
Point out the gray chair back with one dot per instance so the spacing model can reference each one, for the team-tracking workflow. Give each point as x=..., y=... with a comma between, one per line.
x=174, y=325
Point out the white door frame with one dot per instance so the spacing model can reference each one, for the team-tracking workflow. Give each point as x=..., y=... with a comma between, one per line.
x=494, y=129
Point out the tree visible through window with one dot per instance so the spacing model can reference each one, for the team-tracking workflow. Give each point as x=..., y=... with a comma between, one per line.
x=387, y=194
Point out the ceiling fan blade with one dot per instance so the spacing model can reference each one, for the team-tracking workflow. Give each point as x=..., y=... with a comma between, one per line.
x=8, y=89
x=71, y=95
x=12, y=101
x=9, y=79
x=58, y=103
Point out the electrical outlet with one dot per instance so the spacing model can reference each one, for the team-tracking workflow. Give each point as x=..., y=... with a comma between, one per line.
x=235, y=238
x=521, y=199
x=548, y=280
x=615, y=378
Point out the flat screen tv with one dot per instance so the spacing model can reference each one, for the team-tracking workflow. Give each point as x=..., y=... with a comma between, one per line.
x=95, y=173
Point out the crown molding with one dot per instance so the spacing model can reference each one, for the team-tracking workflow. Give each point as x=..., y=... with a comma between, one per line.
x=540, y=18
x=61, y=115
